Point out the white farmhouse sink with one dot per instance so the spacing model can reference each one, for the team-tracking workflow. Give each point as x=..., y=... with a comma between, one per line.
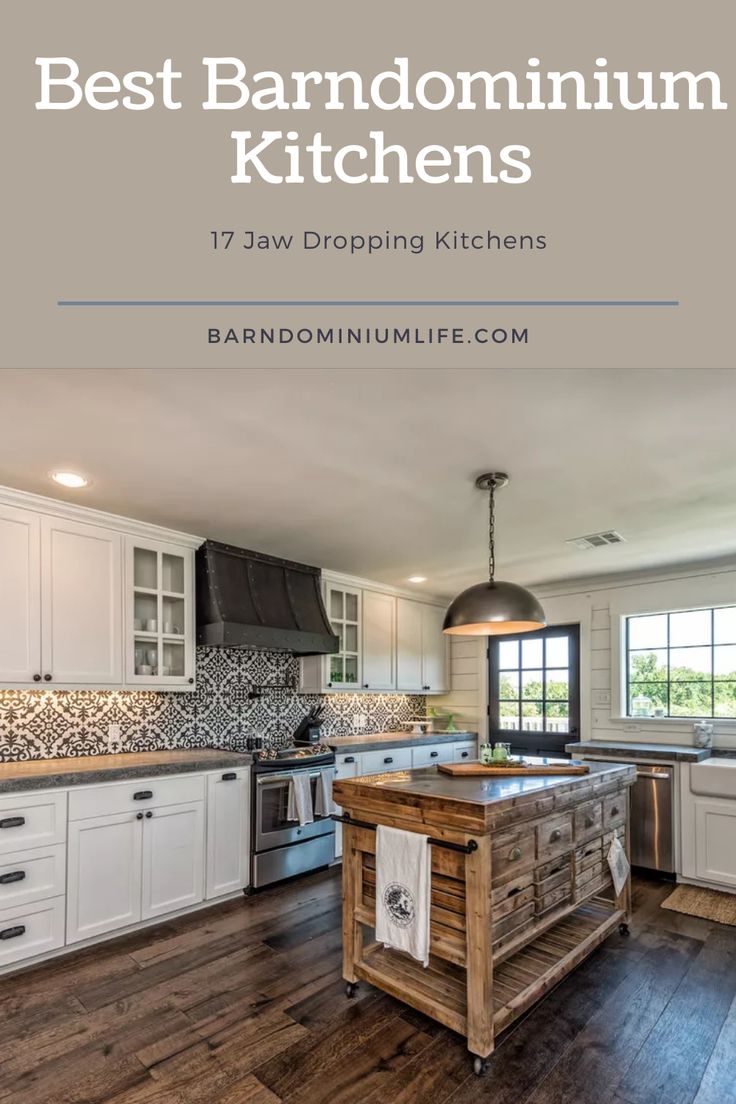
x=714, y=777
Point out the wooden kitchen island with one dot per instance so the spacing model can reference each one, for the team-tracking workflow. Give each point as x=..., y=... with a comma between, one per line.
x=521, y=890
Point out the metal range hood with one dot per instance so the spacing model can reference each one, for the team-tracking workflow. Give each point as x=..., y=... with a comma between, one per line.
x=249, y=600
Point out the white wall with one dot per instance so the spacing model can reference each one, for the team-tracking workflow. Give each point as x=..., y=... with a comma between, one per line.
x=598, y=606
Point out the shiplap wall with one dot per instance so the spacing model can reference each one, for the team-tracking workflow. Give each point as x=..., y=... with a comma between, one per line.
x=597, y=607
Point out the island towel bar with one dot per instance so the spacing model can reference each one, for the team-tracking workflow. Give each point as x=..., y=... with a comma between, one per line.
x=463, y=848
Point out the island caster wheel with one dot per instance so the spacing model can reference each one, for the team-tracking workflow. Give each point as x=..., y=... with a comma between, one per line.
x=480, y=1065
x=624, y=929
x=350, y=989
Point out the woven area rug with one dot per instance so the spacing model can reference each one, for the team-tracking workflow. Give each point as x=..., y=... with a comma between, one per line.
x=708, y=903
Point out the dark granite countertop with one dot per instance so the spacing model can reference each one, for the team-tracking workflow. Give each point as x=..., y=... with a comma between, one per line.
x=43, y=774
x=385, y=741
x=678, y=753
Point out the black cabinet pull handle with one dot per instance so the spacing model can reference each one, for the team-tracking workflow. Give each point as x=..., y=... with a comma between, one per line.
x=12, y=876
x=433, y=754
x=36, y=678
x=142, y=795
x=139, y=816
x=513, y=892
x=349, y=759
x=149, y=814
x=229, y=776
x=388, y=759
x=47, y=678
x=11, y=933
x=12, y=822
x=464, y=754
x=614, y=810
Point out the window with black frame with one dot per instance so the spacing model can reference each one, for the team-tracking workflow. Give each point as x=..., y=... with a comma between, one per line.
x=534, y=690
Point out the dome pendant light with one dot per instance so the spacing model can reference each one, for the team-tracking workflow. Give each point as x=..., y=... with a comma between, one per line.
x=492, y=608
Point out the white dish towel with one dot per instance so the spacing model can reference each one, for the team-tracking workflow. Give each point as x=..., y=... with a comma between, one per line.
x=324, y=805
x=403, y=888
x=299, y=805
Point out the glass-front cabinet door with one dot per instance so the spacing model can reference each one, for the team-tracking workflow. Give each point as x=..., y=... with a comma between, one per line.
x=344, y=611
x=159, y=638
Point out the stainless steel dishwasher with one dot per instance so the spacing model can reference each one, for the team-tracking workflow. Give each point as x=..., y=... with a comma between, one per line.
x=651, y=818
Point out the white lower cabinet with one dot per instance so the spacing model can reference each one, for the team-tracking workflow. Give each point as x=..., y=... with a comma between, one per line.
x=715, y=840
x=428, y=755
x=228, y=827
x=173, y=859
x=104, y=875
x=346, y=766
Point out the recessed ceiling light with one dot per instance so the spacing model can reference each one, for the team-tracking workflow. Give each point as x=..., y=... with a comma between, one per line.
x=69, y=479
x=417, y=578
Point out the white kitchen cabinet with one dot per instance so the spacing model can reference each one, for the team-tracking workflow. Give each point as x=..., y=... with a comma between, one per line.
x=422, y=652
x=20, y=595
x=346, y=766
x=379, y=640
x=81, y=603
x=30, y=930
x=228, y=826
x=159, y=614
x=173, y=858
x=104, y=874
x=715, y=840
x=429, y=755
x=465, y=752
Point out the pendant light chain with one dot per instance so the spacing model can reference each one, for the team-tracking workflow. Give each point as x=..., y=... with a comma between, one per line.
x=491, y=534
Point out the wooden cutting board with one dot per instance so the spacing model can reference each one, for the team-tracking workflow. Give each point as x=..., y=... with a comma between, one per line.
x=472, y=770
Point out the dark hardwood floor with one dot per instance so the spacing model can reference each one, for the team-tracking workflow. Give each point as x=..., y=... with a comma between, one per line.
x=244, y=1004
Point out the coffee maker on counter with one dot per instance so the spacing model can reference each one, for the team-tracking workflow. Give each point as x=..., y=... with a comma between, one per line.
x=309, y=729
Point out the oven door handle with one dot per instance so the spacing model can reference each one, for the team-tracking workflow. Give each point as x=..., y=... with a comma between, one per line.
x=264, y=779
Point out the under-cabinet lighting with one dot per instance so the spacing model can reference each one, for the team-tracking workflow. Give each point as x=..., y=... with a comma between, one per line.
x=417, y=578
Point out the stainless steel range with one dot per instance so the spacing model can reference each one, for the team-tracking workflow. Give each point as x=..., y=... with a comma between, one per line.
x=281, y=847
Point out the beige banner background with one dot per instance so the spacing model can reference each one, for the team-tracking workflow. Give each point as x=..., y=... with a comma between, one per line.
x=120, y=205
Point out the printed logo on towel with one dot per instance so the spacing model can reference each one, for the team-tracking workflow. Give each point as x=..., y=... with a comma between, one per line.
x=399, y=904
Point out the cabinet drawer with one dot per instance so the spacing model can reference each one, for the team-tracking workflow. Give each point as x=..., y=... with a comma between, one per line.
x=614, y=810
x=588, y=820
x=546, y=870
x=515, y=900
x=29, y=930
x=464, y=752
x=347, y=766
x=31, y=820
x=378, y=762
x=512, y=852
x=514, y=920
x=27, y=876
x=120, y=797
x=554, y=898
x=554, y=837
x=560, y=877
x=431, y=754
x=511, y=887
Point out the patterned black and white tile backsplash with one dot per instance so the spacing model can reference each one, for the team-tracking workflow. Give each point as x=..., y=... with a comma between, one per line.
x=41, y=724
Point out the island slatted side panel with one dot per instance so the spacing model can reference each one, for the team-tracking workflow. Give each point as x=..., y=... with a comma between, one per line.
x=508, y=921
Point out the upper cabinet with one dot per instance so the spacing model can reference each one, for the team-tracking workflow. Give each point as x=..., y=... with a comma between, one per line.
x=387, y=643
x=20, y=595
x=159, y=612
x=91, y=605
x=422, y=648
x=81, y=611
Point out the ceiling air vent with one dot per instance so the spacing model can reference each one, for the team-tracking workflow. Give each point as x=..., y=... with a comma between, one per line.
x=597, y=540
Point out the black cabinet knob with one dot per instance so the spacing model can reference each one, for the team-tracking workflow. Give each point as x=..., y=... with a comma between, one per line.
x=555, y=836
x=47, y=678
x=149, y=814
x=463, y=754
x=614, y=810
x=190, y=681
x=329, y=684
x=139, y=816
x=365, y=685
x=36, y=678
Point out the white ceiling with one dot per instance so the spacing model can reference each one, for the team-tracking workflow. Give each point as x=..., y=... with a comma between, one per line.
x=370, y=471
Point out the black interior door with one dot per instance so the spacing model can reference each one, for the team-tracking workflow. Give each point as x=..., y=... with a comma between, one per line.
x=534, y=690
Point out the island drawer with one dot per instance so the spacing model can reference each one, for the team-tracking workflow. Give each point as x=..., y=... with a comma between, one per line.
x=554, y=898
x=561, y=876
x=513, y=922
x=619, y=833
x=614, y=810
x=588, y=820
x=593, y=887
x=554, y=837
x=512, y=852
x=592, y=847
x=512, y=887
x=515, y=900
